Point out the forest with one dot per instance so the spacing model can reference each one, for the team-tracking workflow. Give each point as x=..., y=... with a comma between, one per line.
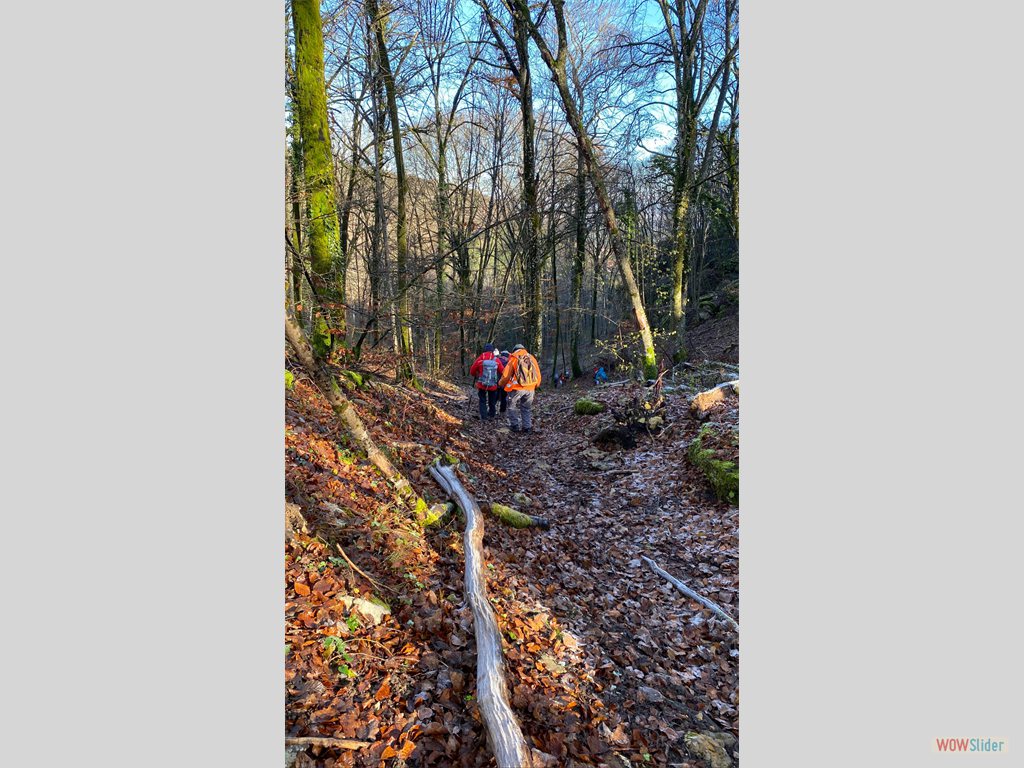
x=539, y=568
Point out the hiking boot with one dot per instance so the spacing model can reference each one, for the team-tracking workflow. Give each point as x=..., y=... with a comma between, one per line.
x=515, y=428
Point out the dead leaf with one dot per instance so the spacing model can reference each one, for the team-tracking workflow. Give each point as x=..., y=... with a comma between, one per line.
x=406, y=750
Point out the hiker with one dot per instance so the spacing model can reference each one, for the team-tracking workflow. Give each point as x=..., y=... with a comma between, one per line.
x=600, y=377
x=502, y=394
x=520, y=379
x=486, y=369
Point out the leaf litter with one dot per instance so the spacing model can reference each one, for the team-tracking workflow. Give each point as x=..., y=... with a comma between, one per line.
x=607, y=664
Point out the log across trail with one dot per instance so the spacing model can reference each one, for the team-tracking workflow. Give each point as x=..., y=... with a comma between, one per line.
x=503, y=729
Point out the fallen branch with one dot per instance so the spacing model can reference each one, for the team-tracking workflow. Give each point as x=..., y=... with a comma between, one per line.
x=689, y=592
x=357, y=569
x=324, y=741
x=503, y=730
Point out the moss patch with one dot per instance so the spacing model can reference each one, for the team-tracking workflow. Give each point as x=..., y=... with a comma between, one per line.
x=289, y=380
x=510, y=516
x=724, y=476
x=587, y=407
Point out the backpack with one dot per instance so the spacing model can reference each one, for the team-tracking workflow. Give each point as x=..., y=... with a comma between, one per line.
x=528, y=372
x=489, y=374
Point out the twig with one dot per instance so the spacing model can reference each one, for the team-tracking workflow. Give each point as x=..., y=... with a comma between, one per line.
x=358, y=570
x=689, y=592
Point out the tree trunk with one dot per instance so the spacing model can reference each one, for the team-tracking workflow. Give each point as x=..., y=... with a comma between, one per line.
x=531, y=224
x=318, y=167
x=406, y=370
x=375, y=268
x=557, y=66
x=579, y=259
x=554, y=268
x=346, y=208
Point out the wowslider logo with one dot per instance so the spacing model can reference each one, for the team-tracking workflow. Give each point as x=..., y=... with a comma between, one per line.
x=970, y=745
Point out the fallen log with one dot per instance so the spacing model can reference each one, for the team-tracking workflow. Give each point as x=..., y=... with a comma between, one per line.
x=715, y=608
x=503, y=730
x=516, y=519
x=349, y=420
x=702, y=401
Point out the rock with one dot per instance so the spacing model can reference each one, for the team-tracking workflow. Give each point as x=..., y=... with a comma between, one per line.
x=708, y=749
x=652, y=695
x=522, y=499
x=375, y=613
x=724, y=738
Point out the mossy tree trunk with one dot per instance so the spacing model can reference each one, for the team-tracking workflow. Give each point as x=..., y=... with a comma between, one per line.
x=318, y=171
x=294, y=168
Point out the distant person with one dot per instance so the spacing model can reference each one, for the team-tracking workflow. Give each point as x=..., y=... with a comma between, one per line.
x=520, y=378
x=502, y=394
x=600, y=377
x=486, y=370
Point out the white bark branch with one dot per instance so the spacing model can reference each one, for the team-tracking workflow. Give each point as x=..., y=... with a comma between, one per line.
x=689, y=592
x=503, y=729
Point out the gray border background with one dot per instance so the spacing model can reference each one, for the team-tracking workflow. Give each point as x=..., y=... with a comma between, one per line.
x=143, y=216
x=880, y=324
x=144, y=221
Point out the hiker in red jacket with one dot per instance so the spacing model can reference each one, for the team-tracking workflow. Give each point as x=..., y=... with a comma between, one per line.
x=486, y=370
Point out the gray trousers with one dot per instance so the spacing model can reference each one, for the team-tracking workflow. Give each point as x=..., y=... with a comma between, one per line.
x=520, y=402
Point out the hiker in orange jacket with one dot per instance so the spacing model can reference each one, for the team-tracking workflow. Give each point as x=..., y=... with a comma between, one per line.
x=520, y=378
x=485, y=370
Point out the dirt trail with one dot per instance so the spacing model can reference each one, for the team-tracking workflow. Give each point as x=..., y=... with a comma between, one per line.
x=662, y=661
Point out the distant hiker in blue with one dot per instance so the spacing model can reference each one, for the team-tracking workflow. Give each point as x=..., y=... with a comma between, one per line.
x=600, y=377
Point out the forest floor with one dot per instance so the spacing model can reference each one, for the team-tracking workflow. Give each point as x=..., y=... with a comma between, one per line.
x=607, y=663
